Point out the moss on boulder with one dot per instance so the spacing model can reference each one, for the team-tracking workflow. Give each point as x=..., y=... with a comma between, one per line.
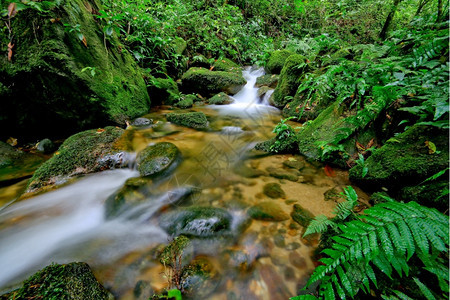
x=85, y=152
x=226, y=65
x=181, y=246
x=208, y=83
x=163, y=90
x=74, y=281
x=405, y=159
x=294, y=67
x=195, y=120
x=57, y=79
x=277, y=60
x=157, y=159
x=220, y=99
x=431, y=194
x=270, y=80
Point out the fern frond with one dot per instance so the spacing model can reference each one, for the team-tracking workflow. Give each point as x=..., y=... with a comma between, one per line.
x=318, y=225
x=424, y=289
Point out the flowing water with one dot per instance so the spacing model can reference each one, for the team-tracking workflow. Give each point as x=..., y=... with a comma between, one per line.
x=261, y=260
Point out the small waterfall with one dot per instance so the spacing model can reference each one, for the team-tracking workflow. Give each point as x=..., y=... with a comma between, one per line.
x=249, y=93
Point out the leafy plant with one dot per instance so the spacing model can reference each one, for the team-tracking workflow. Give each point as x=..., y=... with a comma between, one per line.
x=285, y=137
x=387, y=236
x=361, y=162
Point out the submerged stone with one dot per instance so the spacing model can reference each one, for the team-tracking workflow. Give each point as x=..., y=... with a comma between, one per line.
x=74, y=281
x=157, y=159
x=199, y=279
x=195, y=120
x=56, y=78
x=301, y=215
x=200, y=222
x=282, y=174
x=142, y=290
x=140, y=122
x=85, y=152
x=273, y=190
x=45, y=146
x=267, y=211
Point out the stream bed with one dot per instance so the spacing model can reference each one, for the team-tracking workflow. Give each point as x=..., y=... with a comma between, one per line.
x=260, y=257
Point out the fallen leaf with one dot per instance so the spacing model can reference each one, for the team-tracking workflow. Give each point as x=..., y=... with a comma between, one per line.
x=292, y=159
x=360, y=147
x=12, y=10
x=370, y=144
x=10, y=52
x=100, y=130
x=431, y=147
x=84, y=41
x=12, y=141
x=329, y=171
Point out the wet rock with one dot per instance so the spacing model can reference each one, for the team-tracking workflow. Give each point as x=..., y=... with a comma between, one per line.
x=262, y=91
x=247, y=172
x=220, y=99
x=157, y=159
x=275, y=284
x=208, y=83
x=294, y=164
x=297, y=260
x=142, y=290
x=278, y=240
x=71, y=281
x=187, y=101
x=199, y=279
x=226, y=65
x=200, y=222
x=195, y=120
x=273, y=190
x=277, y=60
x=293, y=246
x=180, y=249
x=141, y=122
x=240, y=260
x=85, y=152
x=269, y=80
x=290, y=201
x=282, y=174
x=46, y=146
x=301, y=215
x=47, y=82
x=267, y=211
x=289, y=274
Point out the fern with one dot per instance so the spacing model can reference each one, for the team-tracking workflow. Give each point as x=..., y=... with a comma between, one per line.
x=386, y=237
x=319, y=224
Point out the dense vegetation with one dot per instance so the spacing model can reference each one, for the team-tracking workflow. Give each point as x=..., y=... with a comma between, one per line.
x=381, y=67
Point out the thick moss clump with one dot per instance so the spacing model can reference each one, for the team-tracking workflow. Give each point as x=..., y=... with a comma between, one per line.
x=74, y=281
x=157, y=159
x=57, y=83
x=270, y=80
x=405, y=159
x=85, y=152
x=208, y=83
x=191, y=119
x=276, y=61
x=220, y=99
x=163, y=90
x=227, y=65
x=293, y=69
x=267, y=211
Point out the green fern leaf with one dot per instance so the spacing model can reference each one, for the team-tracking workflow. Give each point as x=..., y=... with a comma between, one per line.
x=396, y=239
x=371, y=274
x=373, y=242
x=340, y=291
x=407, y=237
x=345, y=281
x=420, y=240
x=318, y=225
x=434, y=239
x=424, y=289
x=386, y=243
x=402, y=296
x=383, y=264
x=329, y=292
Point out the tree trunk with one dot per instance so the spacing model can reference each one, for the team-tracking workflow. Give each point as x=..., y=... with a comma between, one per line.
x=389, y=18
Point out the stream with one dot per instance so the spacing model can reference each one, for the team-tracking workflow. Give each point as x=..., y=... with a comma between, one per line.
x=261, y=259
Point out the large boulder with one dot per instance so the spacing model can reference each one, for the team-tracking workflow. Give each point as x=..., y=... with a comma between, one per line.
x=85, y=152
x=74, y=281
x=208, y=83
x=157, y=159
x=163, y=90
x=276, y=61
x=405, y=160
x=226, y=65
x=64, y=75
x=294, y=67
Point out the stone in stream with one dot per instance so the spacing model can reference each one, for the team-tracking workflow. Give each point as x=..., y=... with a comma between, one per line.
x=82, y=153
x=297, y=260
x=267, y=211
x=45, y=146
x=178, y=253
x=195, y=120
x=201, y=222
x=268, y=80
x=247, y=172
x=294, y=164
x=158, y=159
x=273, y=190
x=301, y=215
x=199, y=279
x=142, y=290
x=141, y=122
x=282, y=174
x=73, y=281
x=220, y=99
x=187, y=101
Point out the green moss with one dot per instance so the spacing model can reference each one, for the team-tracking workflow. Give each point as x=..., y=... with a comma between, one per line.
x=187, y=101
x=405, y=160
x=293, y=69
x=208, y=83
x=220, y=99
x=226, y=65
x=273, y=190
x=182, y=247
x=73, y=281
x=282, y=174
x=277, y=60
x=79, y=154
x=46, y=84
x=301, y=215
x=157, y=159
x=267, y=211
x=178, y=45
x=304, y=110
x=191, y=119
x=269, y=80
x=431, y=194
x=163, y=90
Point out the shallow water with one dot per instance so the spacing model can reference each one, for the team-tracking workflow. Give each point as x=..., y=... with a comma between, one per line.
x=269, y=260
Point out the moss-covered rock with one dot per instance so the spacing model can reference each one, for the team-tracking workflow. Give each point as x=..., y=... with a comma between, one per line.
x=208, y=83
x=16, y=164
x=57, y=83
x=431, y=194
x=85, y=152
x=186, y=101
x=270, y=80
x=226, y=65
x=294, y=67
x=276, y=61
x=191, y=119
x=178, y=45
x=157, y=159
x=180, y=247
x=199, y=279
x=405, y=160
x=282, y=174
x=267, y=211
x=273, y=190
x=301, y=215
x=305, y=110
x=220, y=99
x=163, y=90
x=74, y=281
x=202, y=222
